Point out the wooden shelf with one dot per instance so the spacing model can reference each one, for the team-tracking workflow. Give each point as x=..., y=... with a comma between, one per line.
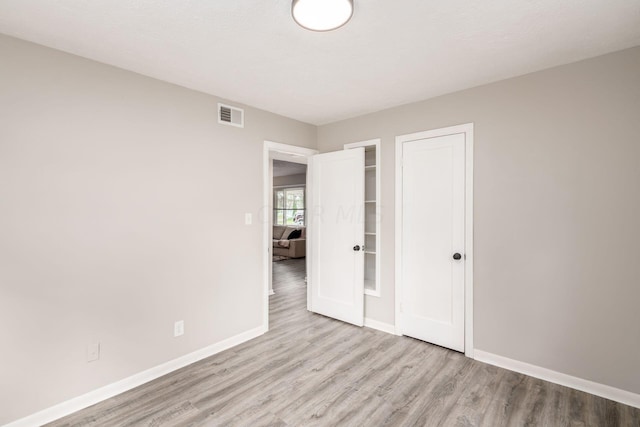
x=370, y=252
x=370, y=167
x=369, y=234
x=369, y=201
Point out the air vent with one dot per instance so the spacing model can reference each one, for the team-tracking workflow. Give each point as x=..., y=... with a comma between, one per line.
x=228, y=115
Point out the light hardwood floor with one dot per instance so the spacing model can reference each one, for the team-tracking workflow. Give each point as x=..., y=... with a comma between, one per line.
x=312, y=370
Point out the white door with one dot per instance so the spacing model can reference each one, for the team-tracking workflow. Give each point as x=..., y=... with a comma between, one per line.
x=336, y=224
x=433, y=240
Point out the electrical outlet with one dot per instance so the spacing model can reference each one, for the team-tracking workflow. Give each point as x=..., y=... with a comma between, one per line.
x=93, y=351
x=248, y=219
x=178, y=328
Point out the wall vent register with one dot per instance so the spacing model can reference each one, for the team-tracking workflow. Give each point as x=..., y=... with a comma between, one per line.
x=228, y=115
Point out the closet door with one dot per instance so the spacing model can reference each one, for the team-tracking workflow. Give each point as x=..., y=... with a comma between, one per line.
x=433, y=240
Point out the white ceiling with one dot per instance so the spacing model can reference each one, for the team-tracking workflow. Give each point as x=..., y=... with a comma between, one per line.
x=390, y=53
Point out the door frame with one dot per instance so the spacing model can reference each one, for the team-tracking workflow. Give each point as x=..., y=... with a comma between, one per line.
x=467, y=130
x=290, y=153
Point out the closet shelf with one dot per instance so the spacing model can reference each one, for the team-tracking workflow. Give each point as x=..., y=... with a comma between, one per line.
x=370, y=284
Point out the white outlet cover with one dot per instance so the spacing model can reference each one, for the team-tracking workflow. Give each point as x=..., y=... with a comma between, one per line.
x=248, y=219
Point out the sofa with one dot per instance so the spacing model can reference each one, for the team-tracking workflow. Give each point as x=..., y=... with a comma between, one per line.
x=292, y=248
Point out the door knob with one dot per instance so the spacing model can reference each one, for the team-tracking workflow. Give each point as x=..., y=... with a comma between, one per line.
x=457, y=256
x=356, y=248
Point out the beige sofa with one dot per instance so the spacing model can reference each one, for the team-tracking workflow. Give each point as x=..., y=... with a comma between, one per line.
x=282, y=246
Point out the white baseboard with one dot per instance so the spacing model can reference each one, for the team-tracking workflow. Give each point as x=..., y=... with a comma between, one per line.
x=608, y=392
x=77, y=403
x=380, y=326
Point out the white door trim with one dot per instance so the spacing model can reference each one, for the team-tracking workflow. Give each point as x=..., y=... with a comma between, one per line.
x=289, y=153
x=467, y=129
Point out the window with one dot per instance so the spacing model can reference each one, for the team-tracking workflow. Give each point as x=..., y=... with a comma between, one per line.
x=288, y=206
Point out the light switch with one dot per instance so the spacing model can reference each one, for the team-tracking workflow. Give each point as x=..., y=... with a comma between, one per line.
x=178, y=328
x=93, y=351
x=247, y=219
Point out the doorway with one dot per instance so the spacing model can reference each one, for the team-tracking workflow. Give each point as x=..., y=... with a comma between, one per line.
x=334, y=220
x=434, y=237
x=284, y=211
x=289, y=232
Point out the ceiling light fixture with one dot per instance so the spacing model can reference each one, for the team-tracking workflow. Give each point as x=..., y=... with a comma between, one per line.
x=321, y=15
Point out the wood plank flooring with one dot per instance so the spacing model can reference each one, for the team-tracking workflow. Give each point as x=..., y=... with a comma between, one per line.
x=309, y=370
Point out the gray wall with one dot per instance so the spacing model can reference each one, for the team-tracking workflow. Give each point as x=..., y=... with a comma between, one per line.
x=120, y=202
x=297, y=179
x=557, y=169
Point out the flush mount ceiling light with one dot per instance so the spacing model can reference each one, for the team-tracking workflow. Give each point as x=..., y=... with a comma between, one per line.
x=322, y=15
